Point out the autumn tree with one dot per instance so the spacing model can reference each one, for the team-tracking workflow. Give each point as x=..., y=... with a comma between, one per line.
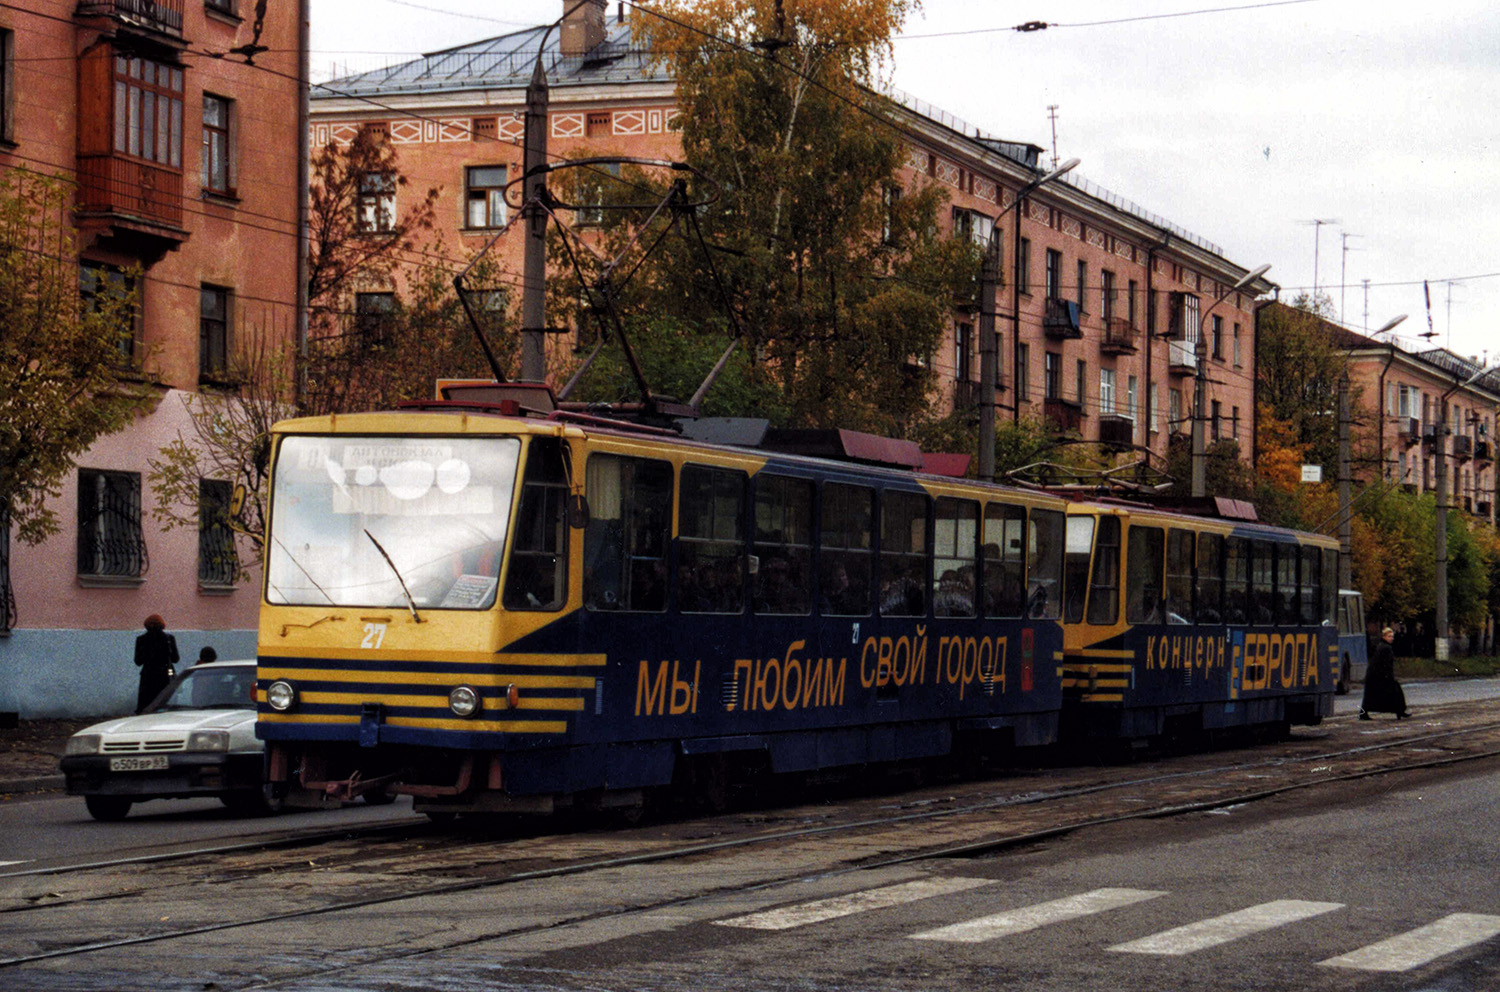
x=1298, y=367
x=65, y=377
x=840, y=280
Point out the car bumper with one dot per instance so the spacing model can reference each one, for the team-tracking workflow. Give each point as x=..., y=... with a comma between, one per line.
x=186, y=774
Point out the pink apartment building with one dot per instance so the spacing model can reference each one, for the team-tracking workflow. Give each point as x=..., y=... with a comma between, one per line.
x=1098, y=313
x=180, y=122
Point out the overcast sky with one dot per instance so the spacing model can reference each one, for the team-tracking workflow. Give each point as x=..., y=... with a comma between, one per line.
x=1241, y=121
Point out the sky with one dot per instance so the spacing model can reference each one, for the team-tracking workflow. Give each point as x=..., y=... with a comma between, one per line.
x=1244, y=122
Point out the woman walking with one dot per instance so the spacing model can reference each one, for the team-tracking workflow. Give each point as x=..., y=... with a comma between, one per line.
x=1383, y=694
x=156, y=657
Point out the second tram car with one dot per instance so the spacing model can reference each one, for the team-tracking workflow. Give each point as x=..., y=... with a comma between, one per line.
x=492, y=611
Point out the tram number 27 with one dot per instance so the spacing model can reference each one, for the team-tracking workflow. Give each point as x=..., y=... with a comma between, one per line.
x=374, y=636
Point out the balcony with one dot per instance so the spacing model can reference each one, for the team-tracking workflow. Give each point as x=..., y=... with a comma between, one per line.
x=1119, y=337
x=1482, y=508
x=1482, y=451
x=1065, y=416
x=1463, y=446
x=965, y=394
x=1411, y=430
x=138, y=200
x=162, y=16
x=1062, y=320
x=1181, y=359
x=1116, y=431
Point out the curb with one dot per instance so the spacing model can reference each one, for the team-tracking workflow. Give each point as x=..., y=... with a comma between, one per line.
x=46, y=783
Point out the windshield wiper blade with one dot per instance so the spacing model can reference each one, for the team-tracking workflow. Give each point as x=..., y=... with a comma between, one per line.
x=410, y=602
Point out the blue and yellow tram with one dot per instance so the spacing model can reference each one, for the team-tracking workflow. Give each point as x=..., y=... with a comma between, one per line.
x=1176, y=623
x=491, y=611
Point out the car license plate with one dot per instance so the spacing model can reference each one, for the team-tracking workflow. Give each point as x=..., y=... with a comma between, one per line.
x=148, y=763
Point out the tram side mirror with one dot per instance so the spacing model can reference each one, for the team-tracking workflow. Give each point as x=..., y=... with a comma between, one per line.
x=578, y=511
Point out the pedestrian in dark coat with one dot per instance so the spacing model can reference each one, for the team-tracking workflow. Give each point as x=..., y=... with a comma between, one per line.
x=1383, y=693
x=156, y=657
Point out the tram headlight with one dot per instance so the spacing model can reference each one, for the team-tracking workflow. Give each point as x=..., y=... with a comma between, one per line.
x=281, y=696
x=464, y=701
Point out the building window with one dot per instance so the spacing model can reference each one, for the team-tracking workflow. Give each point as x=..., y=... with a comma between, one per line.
x=7, y=596
x=963, y=352
x=1082, y=382
x=1218, y=337
x=222, y=6
x=1132, y=394
x=890, y=197
x=377, y=202
x=218, y=562
x=1234, y=422
x=110, y=542
x=1051, y=375
x=1106, y=390
x=101, y=286
x=1130, y=302
x=973, y=226
x=1237, y=359
x=216, y=146
x=213, y=331
x=1174, y=409
x=1153, y=409
x=1083, y=273
x=1216, y=420
x=485, y=196
x=1109, y=295
x=374, y=316
x=1054, y=274
x=148, y=110
x=594, y=190
x=1023, y=265
x=7, y=122
x=1023, y=372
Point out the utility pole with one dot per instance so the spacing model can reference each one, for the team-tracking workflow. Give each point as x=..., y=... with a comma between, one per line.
x=1440, y=462
x=989, y=277
x=534, y=217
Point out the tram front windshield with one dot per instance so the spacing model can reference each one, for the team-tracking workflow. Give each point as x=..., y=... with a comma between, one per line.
x=356, y=519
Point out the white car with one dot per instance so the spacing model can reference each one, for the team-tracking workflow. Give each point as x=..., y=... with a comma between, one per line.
x=196, y=739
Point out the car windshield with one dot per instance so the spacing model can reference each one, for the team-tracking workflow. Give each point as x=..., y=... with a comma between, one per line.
x=365, y=521
x=211, y=687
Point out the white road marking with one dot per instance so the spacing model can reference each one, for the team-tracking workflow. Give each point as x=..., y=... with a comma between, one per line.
x=1031, y=917
x=1223, y=929
x=7, y=864
x=1417, y=947
x=855, y=902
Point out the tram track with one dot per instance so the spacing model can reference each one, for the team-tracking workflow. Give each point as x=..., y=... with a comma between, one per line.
x=969, y=820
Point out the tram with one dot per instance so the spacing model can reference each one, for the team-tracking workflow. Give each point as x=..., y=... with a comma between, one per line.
x=490, y=608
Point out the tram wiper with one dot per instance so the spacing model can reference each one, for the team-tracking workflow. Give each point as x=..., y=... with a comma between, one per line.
x=410, y=603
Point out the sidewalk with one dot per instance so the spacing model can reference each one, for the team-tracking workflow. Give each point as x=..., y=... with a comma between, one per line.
x=29, y=753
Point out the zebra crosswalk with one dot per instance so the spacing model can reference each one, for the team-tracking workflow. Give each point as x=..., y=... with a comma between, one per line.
x=1397, y=953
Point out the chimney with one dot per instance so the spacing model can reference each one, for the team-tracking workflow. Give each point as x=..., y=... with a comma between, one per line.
x=582, y=26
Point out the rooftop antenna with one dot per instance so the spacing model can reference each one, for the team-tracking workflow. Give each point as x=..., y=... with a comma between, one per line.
x=1317, y=223
x=1344, y=237
x=1449, y=329
x=1052, y=113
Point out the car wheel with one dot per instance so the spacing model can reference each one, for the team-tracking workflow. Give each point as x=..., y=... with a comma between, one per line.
x=380, y=798
x=107, y=808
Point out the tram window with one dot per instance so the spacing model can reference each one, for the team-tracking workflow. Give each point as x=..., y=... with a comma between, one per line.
x=955, y=536
x=1178, y=607
x=1143, y=575
x=711, y=540
x=1044, y=560
x=1262, y=584
x=1076, y=567
x=1004, y=561
x=1312, y=585
x=1236, y=580
x=537, y=577
x=1208, y=604
x=1285, y=599
x=783, y=545
x=844, y=560
x=903, y=554
x=1104, y=587
x=1330, y=584
x=625, y=544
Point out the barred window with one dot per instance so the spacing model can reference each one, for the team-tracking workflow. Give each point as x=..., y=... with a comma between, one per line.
x=218, y=562
x=110, y=541
x=7, y=597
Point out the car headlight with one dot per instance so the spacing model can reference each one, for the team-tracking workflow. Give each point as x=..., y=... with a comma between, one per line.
x=281, y=696
x=464, y=701
x=83, y=744
x=208, y=740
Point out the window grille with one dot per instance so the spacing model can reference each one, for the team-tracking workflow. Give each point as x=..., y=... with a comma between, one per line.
x=110, y=541
x=218, y=561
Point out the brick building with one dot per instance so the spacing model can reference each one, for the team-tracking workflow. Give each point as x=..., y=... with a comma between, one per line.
x=185, y=158
x=1098, y=312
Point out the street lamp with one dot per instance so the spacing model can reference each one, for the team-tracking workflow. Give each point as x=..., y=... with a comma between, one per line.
x=1200, y=483
x=989, y=275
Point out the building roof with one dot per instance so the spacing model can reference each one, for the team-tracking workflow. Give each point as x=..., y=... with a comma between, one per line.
x=503, y=62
